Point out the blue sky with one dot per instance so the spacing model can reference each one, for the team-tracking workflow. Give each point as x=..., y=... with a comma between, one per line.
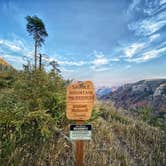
x=109, y=42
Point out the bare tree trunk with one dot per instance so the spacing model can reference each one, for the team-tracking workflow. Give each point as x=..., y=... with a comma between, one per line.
x=35, y=56
x=40, y=61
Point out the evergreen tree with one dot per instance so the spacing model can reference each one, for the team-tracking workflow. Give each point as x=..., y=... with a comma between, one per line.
x=36, y=28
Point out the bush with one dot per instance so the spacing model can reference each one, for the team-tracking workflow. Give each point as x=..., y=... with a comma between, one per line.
x=31, y=109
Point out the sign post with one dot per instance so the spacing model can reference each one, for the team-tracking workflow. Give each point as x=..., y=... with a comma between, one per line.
x=80, y=101
x=79, y=150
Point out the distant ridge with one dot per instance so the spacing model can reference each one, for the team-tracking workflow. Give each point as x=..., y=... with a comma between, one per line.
x=4, y=65
x=103, y=91
x=151, y=92
x=3, y=62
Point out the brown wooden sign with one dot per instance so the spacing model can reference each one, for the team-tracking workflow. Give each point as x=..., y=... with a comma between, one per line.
x=80, y=100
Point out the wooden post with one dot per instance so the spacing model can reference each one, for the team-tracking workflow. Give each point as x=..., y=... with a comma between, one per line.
x=79, y=149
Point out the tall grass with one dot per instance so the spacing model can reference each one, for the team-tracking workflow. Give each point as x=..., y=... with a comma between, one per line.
x=117, y=139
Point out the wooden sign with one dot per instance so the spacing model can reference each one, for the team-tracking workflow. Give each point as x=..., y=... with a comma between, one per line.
x=80, y=100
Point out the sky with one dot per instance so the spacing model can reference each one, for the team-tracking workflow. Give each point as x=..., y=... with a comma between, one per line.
x=110, y=42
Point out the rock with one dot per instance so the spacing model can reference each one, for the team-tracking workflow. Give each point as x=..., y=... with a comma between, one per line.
x=160, y=91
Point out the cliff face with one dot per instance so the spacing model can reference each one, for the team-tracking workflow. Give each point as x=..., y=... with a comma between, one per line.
x=143, y=93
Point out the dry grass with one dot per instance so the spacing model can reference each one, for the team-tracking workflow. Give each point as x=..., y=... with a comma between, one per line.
x=118, y=140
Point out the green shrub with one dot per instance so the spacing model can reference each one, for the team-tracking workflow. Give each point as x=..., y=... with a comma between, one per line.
x=31, y=109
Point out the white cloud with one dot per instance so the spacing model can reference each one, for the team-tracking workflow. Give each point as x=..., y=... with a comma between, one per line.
x=128, y=66
x=146, y=56
x=15, y=52
x=147, y=27
x=156, y=16
x=133, y=6
x=162, y=2
x=151, y=24
x=100, y=59
x=16, y=61
x=114, y=59
x=154, y=37
x=100, y=69
x=71, y=63
x=30, y=54
x=101, y=62
x=66, y=62
x=152, y=7
x=13, y=46
x=148, y=7
x=133, y=49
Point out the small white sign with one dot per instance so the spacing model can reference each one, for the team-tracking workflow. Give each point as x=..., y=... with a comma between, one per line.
x=80, y=132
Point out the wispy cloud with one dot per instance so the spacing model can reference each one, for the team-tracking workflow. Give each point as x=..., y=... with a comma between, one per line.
x=100, y=69
x=101, y=62
x=15, y=52
x=128, y=66
x=146, y=56
x=133, y=6
x=114, y=59
x=71, y=63
x=100, y=59
x=133, y=49
x=67, y=62
x=17, y=46
x=13, y=58
x=154, y=22
x=154, y=7
x=15, y=61
x=14, y=46
x=162, y=2
x=147, y=29
x=154, y=37
x=147, y=7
